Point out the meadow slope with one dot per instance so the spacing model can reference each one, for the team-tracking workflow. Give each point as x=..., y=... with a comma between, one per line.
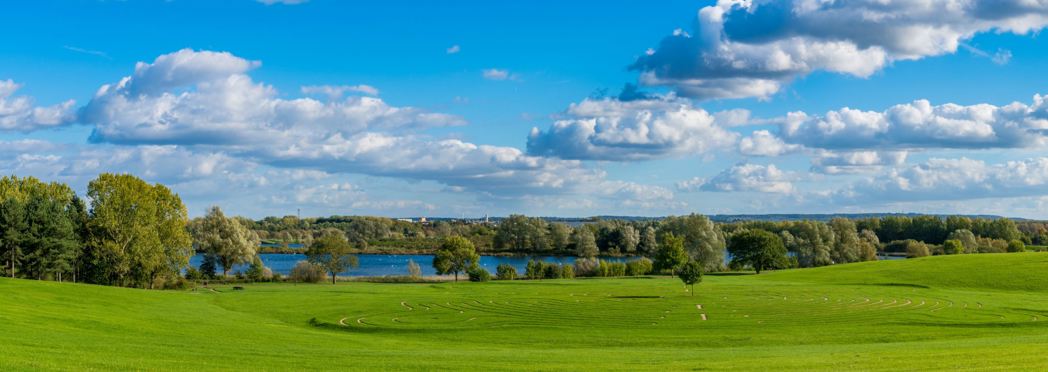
x=955, y=312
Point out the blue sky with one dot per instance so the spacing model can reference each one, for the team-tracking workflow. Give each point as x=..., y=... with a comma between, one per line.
x=472, y=108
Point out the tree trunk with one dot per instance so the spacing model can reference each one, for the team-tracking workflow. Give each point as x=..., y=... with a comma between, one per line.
x=333, y=274
x=456, y=277
x=692, y=290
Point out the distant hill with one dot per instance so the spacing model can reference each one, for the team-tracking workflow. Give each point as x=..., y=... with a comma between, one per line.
x=738, y=217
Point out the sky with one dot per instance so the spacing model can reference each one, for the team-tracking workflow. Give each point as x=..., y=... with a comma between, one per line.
x=552, y=108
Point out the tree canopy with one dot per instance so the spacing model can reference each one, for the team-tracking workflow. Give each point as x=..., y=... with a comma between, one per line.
x=455, y=255
x=758, y=249
x=334, y=253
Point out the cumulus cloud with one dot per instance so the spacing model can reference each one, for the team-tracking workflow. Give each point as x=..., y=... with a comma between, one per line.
x=744, y=48
x=830, y=162
x=18, y=113
x=921, y=125
x=202, y=97
x=746, y=177
x=496, y=74
x=613, y=129
x=206, y=101
x=763, y=143
x=951, y=179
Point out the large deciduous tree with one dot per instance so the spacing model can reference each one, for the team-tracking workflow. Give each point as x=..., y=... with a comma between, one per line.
x=585, y=243
x=757, y=248
x=671, y=254
x=137, y=231
x=455, y=255
x=225, y=239
x=334, y=253
x=702, y=239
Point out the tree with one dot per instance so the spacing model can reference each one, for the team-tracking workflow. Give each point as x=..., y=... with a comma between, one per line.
x=257, y=270
x=225, y=239
x=758, y=248
x=671, y=253
x=952, y=246
x=585, y=243
x=414, y=270
x=12, y=226
x=137, y=231
x=333, y=253
x=1016, y=246
x=690, y=273
x=967, y=238
x=455, y=255
x=916, y=249
x=703, y=241
x=648, y=244
x=559, y=236
x=847, y=245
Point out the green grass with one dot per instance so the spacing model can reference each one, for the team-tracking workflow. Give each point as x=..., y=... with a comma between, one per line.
x=956, y=312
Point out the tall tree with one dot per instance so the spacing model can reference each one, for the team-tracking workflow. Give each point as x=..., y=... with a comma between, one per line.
x=585, y=243
x=333, y=252
x=12, y=227
x=455, y=255
x=702, y=239
x=757, y=248
x=648, y=243
x=671, y=253
x=137, y=231
x=224, y=238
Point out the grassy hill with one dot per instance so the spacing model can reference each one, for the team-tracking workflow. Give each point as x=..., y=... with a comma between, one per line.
x=973, y=311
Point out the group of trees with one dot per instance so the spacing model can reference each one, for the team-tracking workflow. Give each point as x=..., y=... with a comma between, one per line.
x=134, y=234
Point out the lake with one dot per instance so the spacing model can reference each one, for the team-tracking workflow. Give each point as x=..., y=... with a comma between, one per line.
x=396, y=264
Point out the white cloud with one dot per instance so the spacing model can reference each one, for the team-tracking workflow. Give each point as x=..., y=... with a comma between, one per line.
x=830, y=162
x=749, y=177
x=763, y=143
x=453, y=49
x=951, y=179
x=335, y=92
x=921, y=125
x=691, y=184
x=496, y=74
x=643, y=129
x=744, y=48
x=17, y=113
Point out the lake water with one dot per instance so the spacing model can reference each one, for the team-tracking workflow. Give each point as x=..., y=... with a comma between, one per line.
x=390, y=264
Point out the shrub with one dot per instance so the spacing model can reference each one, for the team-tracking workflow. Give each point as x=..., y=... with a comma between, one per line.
x=606, y=268
x=567, y=271
x=586, y=267
x=953, y=246
x=277, y=277
x=1015, y=246
x=534, y=270
x=257, y=272
x=640, y=266
x=193, y=274
x=550, y=271
x=916, y=249
x=478, y=274
x=505, y=272
x=305, y=272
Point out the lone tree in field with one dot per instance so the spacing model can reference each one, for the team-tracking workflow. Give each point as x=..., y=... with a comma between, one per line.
x=333, y=253
x=225, y=239
x=757, y=248
x=454, y=256
x=690, y=273
x=671, y=254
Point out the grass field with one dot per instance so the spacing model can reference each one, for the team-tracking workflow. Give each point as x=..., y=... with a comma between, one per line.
x=955, y=312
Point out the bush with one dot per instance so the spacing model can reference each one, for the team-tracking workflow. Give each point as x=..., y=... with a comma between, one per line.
x=257, y=272
x=534, y=270
x=916, y=249
x=567, y=271
x=953, y=246
x=640, y=266
x=505, y=272
x=478, y=274
x=551, y=271
x=1015, y=246
x=586, y=267
x=193, y=274
x=277, y=277
x=606, y=268
x=306, y=272
x=414, y=270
